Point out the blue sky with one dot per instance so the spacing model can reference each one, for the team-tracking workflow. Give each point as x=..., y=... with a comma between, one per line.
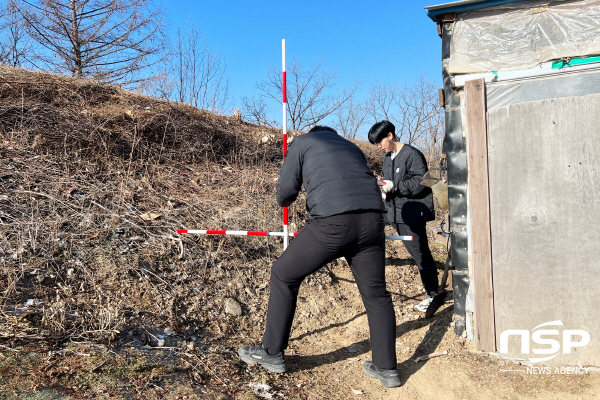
x=378, y=41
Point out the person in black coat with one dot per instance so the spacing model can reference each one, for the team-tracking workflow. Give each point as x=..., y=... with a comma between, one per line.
x=409, y=205
x=346, y=220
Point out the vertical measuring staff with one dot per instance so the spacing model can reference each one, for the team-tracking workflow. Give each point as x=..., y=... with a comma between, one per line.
x=284, y=102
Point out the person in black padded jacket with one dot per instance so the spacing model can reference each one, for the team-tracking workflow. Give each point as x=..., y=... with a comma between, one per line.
x=346, y=220
x=409, y=205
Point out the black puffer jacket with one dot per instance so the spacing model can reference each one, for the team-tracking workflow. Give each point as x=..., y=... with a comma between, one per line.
x=408, y=202
x=334, y=172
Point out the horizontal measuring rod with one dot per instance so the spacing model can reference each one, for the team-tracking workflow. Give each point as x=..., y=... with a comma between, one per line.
x=261, y=233
x=235, y=233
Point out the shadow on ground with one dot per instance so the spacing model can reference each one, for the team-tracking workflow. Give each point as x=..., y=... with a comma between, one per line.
x=437, y=327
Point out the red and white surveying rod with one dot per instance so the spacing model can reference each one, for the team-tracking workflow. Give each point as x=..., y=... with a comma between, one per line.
x=262, y=233
x=286, y=235
x=234, y=233
x=284, y=102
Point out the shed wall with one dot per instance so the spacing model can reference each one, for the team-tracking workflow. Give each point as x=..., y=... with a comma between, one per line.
x=544, y=171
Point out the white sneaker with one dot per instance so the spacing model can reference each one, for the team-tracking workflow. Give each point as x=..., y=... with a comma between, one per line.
x=424, y=305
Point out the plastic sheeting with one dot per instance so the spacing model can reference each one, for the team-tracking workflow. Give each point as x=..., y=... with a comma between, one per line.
x=551, y=87
x=522, y=35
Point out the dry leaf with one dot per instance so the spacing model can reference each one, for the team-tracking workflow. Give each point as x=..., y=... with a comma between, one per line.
x=67, y=192
x=149, y=216
x=91, y=236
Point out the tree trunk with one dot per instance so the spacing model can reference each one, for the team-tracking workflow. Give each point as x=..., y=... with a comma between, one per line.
x=78, y=65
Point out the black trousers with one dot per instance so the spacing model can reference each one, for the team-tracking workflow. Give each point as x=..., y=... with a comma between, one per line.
x=359, y=237
x=418, y=248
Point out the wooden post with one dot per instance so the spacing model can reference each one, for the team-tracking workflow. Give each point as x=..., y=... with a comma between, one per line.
x=479, y=213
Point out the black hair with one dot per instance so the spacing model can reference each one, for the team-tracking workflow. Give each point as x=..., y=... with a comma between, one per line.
x=318, y=128
x=380, y=130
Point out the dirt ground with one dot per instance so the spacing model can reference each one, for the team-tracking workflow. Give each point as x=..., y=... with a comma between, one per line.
x=329, y=343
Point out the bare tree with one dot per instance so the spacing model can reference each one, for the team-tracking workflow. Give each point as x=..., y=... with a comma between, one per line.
x=158, y=85
x=432, y=139
x=111, y=40
x=16, y=48
x=255, y=110
x=415, y=111
x=416, y=105
x=199, y=73
x=310, y=93
x=380, y=101
x=351, y=117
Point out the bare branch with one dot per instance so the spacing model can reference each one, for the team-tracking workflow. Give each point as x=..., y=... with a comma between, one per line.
x=351, y=118
x=255, y=110
x=198, y=72
x=415, y=112
x=381, y=99
x=111, y=40
x=16, y=47
x=310, y=93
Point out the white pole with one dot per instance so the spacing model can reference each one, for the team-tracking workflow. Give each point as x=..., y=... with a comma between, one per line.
x=284, y=103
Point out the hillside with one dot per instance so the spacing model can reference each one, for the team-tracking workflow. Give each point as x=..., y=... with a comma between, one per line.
x=101, y=298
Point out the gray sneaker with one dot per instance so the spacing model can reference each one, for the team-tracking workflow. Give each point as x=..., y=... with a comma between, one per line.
x=424, y=304
x=431, y=303
x=388, y=377
x=258, y=354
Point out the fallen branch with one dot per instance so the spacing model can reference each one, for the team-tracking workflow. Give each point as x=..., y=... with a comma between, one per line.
x=432, y=355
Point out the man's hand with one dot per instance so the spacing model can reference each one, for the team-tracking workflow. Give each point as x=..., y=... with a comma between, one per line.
x=387, y=186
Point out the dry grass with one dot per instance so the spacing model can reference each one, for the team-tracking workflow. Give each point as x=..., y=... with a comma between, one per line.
x=81, y=166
